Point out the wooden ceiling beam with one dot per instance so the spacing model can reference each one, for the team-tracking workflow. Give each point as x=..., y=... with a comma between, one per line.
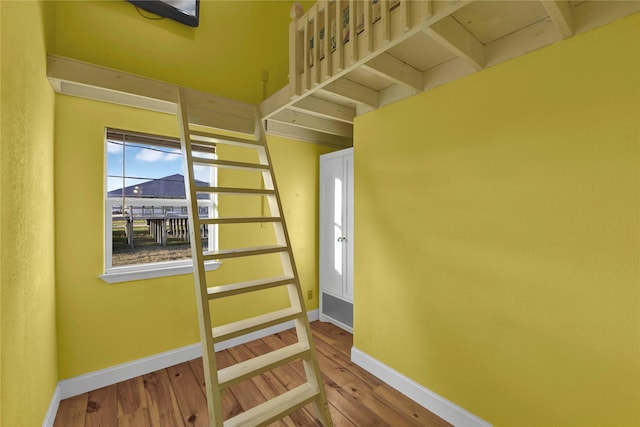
x=72, y=77
x=307, y=121
x=353, y=92
x=451, y=35
x=90, y=75
x=286, y=130
x=111, y=96
x=325, y=109
x=391, y=68
x=276, y=102
x=561, y=14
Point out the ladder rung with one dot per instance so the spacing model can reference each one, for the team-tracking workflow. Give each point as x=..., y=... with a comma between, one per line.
x=276, y=408
x=240, y=220
x=257, y=365
x=229, y=190
x=245, y=326
x=250, y=286
x=229, y=164
x=235, y=253
x=214, y=138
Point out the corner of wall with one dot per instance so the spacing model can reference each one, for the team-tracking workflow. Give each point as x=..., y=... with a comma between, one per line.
x=28, y=351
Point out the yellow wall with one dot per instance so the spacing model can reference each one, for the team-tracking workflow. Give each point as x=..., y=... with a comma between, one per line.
x=1, y=217
x=296, y=168
x=101, y=325
x=498, y=236
x=27, y=280
x=225, y=55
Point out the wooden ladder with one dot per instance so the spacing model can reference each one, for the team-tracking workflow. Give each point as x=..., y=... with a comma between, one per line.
x=217, y=381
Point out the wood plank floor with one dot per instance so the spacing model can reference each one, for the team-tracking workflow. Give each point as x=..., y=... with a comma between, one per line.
x=175, y=396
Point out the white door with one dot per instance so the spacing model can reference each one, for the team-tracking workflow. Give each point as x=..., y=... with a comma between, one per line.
x=347, y=243
x=332, y=226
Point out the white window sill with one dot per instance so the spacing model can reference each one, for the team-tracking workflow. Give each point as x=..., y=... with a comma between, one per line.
x=153, y=270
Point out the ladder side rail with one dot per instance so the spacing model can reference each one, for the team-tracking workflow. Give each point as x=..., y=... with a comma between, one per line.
x=303, y=329
x=208, y=353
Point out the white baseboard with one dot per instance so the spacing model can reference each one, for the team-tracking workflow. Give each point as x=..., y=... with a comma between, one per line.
x=115, y=374
x=435, y=403
x=52, y=410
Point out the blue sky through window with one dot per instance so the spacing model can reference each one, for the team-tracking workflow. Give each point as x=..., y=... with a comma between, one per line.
x=145, y=163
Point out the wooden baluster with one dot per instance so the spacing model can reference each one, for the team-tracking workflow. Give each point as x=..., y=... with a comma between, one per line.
x=386, y=21
x=426, y=9
x=295, y=50
x=368, y=27
x=315, y=15
x=306, y=72
x=353, y=36
x=339, y=35
x=327, y=37
x=405, y=15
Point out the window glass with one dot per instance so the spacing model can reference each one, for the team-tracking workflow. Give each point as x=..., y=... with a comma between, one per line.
x=146, y=208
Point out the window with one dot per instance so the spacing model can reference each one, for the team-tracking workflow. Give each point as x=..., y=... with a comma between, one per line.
x=146, y=221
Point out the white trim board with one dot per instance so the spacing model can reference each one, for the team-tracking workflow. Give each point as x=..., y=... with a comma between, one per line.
x=435, y=403
x=52, y=410
x=114, y=374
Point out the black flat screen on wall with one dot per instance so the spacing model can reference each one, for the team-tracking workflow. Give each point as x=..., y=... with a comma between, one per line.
x=185, y=11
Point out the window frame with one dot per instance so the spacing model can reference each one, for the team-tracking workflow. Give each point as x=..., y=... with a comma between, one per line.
x=125, y=273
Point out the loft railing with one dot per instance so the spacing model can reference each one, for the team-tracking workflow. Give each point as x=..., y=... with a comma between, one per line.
x=335, y=34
